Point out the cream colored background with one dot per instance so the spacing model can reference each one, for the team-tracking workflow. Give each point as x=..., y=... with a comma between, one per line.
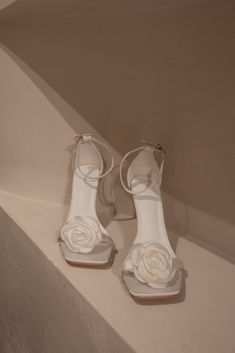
x=121, y=70
x=162, y=72
x=131, y=71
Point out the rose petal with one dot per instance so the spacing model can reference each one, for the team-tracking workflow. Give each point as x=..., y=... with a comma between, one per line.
x=81, y=234
x=137, y=254
x=151, y=264
x=145, y=274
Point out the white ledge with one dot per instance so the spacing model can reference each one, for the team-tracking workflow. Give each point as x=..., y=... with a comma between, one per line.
x=202, y=320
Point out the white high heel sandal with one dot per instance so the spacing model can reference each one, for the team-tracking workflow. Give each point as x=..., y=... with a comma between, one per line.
x=151, y=269
x=83, y=239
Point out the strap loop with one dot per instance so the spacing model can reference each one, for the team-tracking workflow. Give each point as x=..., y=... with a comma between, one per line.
x=81, y=138
x=156, y=148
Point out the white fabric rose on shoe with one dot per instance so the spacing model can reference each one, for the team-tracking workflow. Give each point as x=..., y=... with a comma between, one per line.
x=152, y=264
x=81, y=234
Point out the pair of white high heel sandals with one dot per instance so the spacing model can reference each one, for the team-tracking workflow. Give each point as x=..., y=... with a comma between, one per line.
x=151, y=269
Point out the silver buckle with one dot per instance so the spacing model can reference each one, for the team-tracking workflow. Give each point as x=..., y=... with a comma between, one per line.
x=157, y=146
x=82, y=138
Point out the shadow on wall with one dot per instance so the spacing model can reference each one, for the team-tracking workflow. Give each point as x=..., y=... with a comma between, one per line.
x=166, y=76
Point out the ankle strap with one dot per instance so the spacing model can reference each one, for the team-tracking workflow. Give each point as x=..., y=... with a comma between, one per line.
x=156, y=148
x=81, y=138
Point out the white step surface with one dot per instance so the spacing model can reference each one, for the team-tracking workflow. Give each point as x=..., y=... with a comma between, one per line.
x=202, y=320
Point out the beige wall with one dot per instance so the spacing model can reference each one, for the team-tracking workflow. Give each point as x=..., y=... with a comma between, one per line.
x=5, y=3
x=166, y=75
x=36, y=142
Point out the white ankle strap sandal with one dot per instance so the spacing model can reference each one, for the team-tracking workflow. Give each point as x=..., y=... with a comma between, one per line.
x=151, y=269
x=83, y=239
